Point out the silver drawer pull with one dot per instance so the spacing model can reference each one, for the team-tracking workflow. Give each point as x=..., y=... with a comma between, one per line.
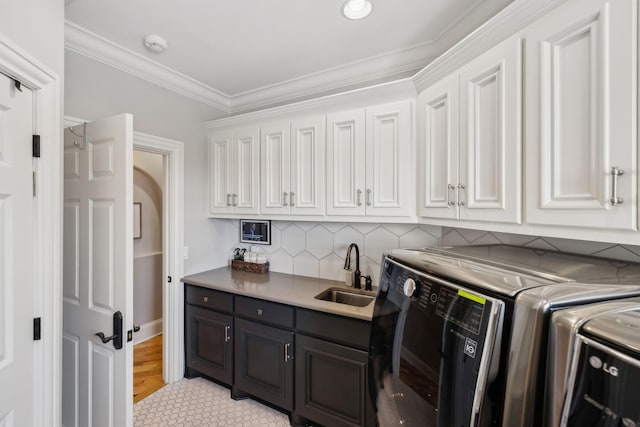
x=359, y=197
x=284, y=198
x=205, y=299
x=449, y=201
x=259, y=312
x=615, y=173
x=287, y=356
x=368, y=198
x=226, y=333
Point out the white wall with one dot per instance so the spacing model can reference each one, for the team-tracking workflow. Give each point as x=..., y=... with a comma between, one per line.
x=94, y=90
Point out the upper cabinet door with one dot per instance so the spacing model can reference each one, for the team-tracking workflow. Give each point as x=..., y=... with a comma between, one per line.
x=345, y=163
x=389, y=184
x=489, y=187
x=221, y=173
x=438, y=149
x=247, y=168
x=276, y=165
x=306, y=194
x=581, y=93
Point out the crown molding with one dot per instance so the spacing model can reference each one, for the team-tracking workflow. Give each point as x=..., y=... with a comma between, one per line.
x=381, y=93
x=91, y=45
x=513, y=18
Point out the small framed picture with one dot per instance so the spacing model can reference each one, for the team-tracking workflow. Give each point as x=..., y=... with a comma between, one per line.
x=255, y=231
x=137, y=220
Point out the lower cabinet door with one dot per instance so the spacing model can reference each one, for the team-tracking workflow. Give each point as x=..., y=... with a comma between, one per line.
x=209, y=343
x=331, y=383
x=264, y=362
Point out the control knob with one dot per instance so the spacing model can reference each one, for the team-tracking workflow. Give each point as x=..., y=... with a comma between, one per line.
x=410, y=287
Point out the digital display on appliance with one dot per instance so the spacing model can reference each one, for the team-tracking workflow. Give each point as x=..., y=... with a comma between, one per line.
x=462, y=308
x=606, y=391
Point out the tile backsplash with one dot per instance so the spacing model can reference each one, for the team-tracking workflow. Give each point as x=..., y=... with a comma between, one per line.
x=318, y=249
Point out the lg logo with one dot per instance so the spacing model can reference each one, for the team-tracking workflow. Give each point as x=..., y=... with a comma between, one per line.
x=596, y=363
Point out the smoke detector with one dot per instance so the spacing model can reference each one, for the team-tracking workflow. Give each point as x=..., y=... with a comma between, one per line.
x=155, y=43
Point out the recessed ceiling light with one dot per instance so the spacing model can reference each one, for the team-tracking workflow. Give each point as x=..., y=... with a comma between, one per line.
x=357, y=9
x=155, y=43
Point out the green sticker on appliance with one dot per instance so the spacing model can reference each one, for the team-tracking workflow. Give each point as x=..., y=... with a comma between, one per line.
x=472, y=297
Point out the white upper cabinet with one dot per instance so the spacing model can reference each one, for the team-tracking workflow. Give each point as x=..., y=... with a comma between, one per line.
x=345, y=163
x=369, y=161
x=581, y=97
x=292, y=167
x=234, y=167
x=470, y=140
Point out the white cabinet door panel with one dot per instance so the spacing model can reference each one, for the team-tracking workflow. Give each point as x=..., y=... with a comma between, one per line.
x=276, y=166
x=307, y=167
x=220, y=173
x=489, y=187
x=345, y=163
x=581, y=115
x=247, y=167
x=438, y=149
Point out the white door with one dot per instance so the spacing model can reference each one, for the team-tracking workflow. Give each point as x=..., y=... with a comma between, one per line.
x=275, y=161
x=221, y=173
x=438, y=148
x=581, y=116
x=345, y=163
x=389, y=183
x=16, y=257
x=490, y=135
x=307, y=166
x=97, y=379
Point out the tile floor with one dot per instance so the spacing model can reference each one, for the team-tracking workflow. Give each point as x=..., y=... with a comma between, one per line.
x=198, y=402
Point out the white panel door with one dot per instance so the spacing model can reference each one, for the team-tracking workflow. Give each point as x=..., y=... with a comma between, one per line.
x=489, y=187
x=307, y=166
x=97, y=379
x=346, y=163
x=221, y=173
x=581, y=93
x=438, y=149
x=16, y=257
x=275, y=155
x=247, y=171
x=389, y=183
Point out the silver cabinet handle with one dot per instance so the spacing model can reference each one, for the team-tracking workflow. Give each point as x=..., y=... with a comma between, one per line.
x=287, y=356
x=292, y=201
x=368, y=197
x=205, y=299
x=359, y=197
x=461, y=187
x=615, y=173
x=284, y=197
x=449, y=201
x=227, y=338
x=235, y=199
x=228, y=197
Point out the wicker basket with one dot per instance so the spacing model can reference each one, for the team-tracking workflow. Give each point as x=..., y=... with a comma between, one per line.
x=251, y=267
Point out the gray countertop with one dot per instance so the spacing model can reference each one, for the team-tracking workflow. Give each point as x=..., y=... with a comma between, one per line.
x=298, y=291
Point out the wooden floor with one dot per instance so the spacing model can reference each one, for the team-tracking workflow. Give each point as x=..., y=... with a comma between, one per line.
x=147, y=368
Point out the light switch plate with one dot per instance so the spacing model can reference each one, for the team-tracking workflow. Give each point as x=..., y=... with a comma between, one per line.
x=185, y=252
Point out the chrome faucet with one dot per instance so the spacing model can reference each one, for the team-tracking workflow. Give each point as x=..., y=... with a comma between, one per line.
x=347, y=265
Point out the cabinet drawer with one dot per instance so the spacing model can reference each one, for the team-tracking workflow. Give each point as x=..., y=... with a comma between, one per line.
x=343, y=330
x=208, y=298
x=265, y=311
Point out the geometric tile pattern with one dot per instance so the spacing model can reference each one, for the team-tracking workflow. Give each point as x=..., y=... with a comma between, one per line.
x=319, y=249
x=198, y=402
x=463, y=237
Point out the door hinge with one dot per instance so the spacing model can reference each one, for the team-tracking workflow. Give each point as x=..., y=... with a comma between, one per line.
x=169, y=279
x=36, y=145
x=36, y=329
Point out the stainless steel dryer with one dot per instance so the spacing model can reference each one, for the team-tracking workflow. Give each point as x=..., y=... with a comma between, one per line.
x=459, y=335
x=594, y=366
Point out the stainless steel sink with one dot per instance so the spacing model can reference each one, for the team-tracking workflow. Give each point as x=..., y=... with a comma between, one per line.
x=352, y=297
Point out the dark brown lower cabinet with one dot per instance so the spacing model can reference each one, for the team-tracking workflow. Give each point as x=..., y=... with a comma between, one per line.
x=331, y=383
x=209, y=344
x=264, y=362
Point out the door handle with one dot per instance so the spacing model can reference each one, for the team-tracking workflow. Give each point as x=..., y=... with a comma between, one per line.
x=228, y=197
x=284, y=198
x=292, y=201
x=615, y=173
x=359, y=197
x=287, y=356
x=117, y=332
x=461, y=187
x=226, y=333
x=368, y=197
x=449, y=201
x=235, y=199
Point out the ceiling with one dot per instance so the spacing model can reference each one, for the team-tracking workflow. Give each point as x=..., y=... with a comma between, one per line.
x=240, y=47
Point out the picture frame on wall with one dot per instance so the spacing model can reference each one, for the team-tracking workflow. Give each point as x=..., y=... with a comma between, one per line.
x=137, y=220
x=255, y=232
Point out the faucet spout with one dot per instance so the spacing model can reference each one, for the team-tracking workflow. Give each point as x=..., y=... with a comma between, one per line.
x=347, y=265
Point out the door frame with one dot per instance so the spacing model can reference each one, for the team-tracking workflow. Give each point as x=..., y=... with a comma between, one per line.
x=47, y=89
x=172, y=152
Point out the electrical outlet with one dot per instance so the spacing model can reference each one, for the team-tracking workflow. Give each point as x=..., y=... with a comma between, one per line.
x=185, y=252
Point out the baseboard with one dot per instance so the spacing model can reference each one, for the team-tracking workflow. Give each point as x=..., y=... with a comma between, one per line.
x=147, y=331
